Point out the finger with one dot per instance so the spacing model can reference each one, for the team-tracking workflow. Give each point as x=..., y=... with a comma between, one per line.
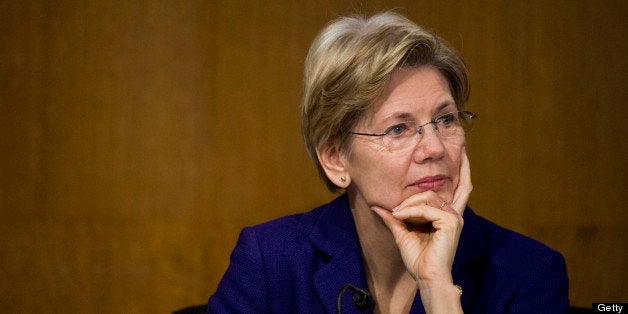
x=421, y=214
x=429, y=216
x=429, y=198
x=464, y=188
x=410, y=209
x=396, y=226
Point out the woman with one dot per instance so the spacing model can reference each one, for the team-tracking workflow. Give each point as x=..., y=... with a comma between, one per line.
x=383, y=118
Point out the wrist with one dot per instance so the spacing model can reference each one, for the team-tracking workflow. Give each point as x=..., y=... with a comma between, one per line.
x=440, y=297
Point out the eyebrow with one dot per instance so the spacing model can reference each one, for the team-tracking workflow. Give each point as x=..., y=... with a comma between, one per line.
x=408, y=116
x=444, y=105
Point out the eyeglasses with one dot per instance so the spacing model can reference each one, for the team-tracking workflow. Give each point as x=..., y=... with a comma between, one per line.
x=404, y=134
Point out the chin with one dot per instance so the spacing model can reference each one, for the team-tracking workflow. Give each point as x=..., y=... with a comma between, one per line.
x=446, y=194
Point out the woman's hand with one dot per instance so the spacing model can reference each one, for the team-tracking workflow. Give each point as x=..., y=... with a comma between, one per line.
x=426, y=229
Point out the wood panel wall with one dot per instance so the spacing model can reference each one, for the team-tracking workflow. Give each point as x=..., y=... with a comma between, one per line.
x=139, y=137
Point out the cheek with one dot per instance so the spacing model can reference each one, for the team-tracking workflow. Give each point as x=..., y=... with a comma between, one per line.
x=454, y=160
x=377, y=174
x=374, y=166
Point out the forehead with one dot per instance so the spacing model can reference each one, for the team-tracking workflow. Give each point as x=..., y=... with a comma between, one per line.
x=413, y=93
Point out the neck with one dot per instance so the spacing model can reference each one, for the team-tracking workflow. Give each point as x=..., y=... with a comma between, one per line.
x=378, y=244
x=388, y=280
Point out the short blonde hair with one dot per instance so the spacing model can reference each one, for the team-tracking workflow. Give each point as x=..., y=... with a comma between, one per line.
x=350, y=62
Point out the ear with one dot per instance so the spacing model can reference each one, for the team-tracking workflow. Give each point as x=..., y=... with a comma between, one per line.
x=334, y=163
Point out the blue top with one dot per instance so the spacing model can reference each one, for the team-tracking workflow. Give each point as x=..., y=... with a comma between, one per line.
x=298, y=264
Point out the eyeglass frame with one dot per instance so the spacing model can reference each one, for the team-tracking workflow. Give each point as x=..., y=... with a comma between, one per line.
x=419, y=128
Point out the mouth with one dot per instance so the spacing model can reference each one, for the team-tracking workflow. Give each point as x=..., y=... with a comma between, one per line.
x=433, y=183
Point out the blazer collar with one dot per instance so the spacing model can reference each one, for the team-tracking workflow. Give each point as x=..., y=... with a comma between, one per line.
x=336, y=239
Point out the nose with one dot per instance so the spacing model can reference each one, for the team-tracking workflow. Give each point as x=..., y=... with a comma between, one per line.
x=430, y=146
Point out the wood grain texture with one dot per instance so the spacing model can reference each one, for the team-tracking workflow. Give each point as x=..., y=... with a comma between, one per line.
x=139, y=138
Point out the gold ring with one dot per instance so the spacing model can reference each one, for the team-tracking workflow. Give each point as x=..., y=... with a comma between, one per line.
x=443, y=204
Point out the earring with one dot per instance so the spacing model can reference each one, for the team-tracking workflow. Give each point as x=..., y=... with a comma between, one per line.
x=343, y=178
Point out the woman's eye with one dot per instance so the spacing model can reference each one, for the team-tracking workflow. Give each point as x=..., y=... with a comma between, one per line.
x=446, y=119
x=398, y=129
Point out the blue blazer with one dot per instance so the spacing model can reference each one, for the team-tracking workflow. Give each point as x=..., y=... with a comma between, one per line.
x=298, y=264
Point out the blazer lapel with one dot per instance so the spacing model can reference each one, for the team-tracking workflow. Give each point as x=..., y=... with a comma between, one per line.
x=336, y=239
